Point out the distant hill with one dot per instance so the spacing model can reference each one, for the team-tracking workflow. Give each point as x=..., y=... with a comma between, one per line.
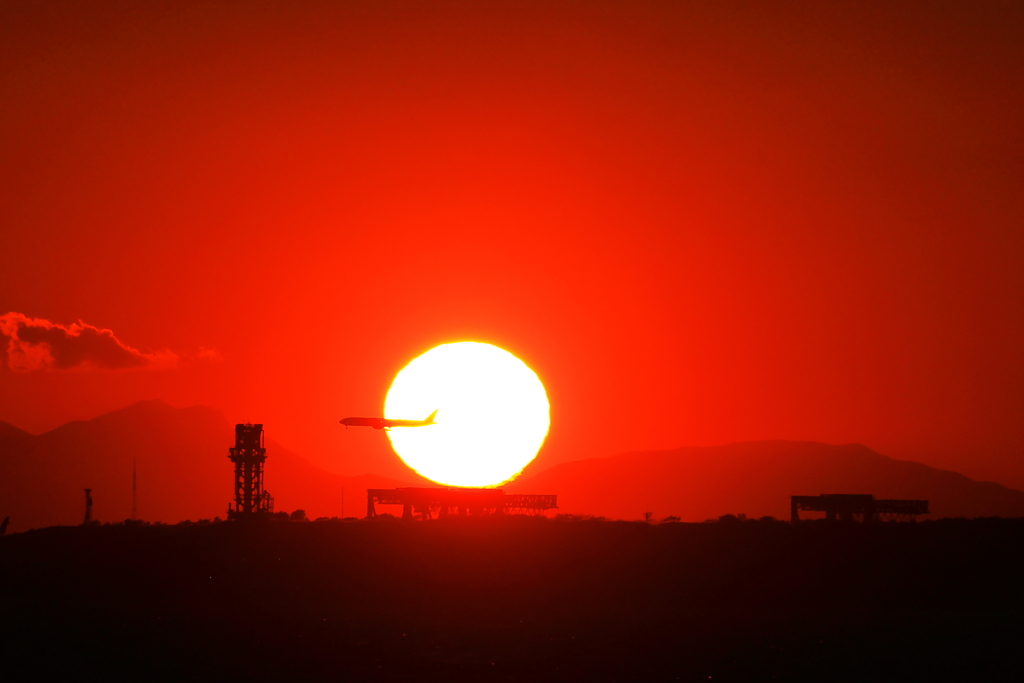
x=184, y=473
x=756, y=479
x=9, y=431
x=183, y=470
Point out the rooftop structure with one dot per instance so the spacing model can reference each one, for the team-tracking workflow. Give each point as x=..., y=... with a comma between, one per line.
x=429, y=503
x=861, y=506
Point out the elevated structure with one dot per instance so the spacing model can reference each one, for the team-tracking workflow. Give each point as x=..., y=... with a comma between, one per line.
x=428, y=503
x=249, y=455
x=860, y=506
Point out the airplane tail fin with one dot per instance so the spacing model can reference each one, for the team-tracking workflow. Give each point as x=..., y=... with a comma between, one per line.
x=430, y=418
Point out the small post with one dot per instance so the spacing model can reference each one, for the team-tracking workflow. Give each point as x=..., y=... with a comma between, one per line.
x=135, y=490
x=88, y=506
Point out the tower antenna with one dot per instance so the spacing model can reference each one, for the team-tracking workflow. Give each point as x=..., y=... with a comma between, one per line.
x=248, y=455
x=135, y=489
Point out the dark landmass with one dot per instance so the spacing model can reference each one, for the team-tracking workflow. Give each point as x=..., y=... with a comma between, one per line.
x=183, y=470
x=515, y=599
x=756, y=479
x=184, y=473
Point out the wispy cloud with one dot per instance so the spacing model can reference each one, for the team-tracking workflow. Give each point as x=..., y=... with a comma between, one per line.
x=35, y=345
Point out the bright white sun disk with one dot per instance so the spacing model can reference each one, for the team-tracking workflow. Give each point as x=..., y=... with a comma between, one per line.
x=492, y=414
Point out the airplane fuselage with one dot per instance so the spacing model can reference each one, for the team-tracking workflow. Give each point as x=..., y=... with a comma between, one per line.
x=384, y=423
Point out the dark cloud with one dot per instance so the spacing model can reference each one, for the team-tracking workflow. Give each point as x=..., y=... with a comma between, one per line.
x=35, y=344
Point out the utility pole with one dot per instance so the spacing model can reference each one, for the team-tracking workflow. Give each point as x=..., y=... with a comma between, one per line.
x=135, y=490
x=88, y=506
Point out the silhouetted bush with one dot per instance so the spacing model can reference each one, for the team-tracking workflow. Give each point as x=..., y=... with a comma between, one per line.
x=565, y=517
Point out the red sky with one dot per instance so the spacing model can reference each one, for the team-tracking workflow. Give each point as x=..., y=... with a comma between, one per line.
x=699, y=222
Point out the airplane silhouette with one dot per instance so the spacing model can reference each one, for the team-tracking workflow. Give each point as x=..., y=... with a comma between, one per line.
x=382, y=423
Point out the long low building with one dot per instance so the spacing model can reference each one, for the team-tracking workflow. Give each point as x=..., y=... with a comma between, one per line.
x=429, y=502
x=848, y=506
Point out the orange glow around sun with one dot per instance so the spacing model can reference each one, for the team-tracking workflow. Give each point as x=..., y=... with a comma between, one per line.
x=492, y=414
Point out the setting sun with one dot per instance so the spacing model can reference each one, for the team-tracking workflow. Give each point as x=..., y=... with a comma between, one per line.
x=492, y=414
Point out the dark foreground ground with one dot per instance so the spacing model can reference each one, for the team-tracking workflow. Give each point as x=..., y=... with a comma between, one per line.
x=517, y=599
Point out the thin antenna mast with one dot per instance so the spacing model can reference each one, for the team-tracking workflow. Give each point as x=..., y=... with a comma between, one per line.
x=135, y=490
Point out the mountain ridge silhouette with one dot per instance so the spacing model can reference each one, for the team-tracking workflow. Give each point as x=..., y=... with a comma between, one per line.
x=183, y=470
x=9, y=430
x=184, y=473
x=756, y=478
